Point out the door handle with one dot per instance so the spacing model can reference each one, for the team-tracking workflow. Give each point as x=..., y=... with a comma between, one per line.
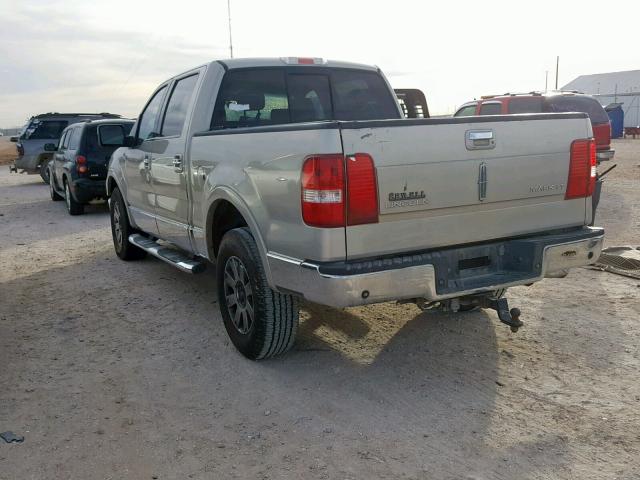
x=177, y=163
x=479, y=139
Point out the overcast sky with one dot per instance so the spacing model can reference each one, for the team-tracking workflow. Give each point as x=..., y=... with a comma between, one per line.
x=108, y=56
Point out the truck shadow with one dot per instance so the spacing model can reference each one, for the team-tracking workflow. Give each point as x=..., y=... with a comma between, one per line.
x=384, y=382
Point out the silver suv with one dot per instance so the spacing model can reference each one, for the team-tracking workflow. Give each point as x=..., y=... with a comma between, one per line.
x=40, y=130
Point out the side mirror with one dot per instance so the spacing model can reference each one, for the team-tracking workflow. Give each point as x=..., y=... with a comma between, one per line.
x=129, y=142
x=14, y=139
x=50, y=147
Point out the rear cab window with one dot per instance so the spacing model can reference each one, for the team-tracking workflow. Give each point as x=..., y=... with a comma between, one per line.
x=492, y=108
x=571, y=103
x=276, y=96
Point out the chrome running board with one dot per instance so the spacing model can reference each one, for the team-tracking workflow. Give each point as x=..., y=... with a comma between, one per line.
x=170, y=255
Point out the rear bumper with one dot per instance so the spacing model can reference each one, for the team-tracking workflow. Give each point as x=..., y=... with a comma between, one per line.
x=438, y=275
x=603, y=155
x=84, y=189
x=29, y=163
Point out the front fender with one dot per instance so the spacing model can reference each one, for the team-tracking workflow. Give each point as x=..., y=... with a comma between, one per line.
x=225, y=193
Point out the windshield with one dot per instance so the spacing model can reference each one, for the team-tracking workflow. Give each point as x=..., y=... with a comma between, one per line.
x=45, y=129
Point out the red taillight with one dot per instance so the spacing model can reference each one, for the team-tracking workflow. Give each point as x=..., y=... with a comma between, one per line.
x=582, y=169
x=81, y=162
x=362, y=190
x=325, y=190
x=602, y=135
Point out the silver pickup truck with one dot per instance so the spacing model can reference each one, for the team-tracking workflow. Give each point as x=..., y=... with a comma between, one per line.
x=300, y=178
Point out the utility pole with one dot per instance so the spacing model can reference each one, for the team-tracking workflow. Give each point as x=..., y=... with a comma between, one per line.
x=557, y=65
x=230, y=39
x=546, y=80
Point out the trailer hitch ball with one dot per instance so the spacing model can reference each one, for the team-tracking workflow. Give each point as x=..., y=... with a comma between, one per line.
x=515, y=317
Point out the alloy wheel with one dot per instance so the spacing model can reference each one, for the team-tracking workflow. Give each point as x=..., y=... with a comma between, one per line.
x=238, y=294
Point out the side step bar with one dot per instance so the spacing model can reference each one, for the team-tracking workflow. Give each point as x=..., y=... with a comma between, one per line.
x=173, y=257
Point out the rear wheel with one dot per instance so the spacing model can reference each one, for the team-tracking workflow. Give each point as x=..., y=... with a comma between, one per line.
x=55, y=196
x=121, y=229
x=261, y=322
x=73, y=207
x=44, y=173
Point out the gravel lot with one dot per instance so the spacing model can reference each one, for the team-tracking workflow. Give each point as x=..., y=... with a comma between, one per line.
x=124, y=371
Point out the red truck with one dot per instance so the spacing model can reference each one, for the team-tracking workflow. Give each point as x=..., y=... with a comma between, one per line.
x=536, y=102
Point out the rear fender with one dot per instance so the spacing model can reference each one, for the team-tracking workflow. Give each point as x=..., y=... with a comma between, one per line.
x=225, y=193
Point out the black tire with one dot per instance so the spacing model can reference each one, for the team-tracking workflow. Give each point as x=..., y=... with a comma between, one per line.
x=55, y=196
x=121, y=229
x=73, y=207
x=44, y=173
x=271, y=330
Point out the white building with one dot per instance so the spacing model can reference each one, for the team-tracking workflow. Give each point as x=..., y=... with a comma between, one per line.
x=614, y=87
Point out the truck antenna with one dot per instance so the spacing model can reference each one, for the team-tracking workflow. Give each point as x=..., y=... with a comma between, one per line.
x=230, y=39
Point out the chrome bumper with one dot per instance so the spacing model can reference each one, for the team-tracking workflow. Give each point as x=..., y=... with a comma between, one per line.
x=306, y=279
x=605, y=155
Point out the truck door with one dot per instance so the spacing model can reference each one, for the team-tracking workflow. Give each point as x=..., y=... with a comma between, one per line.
x=168, y=163
x=140, y=195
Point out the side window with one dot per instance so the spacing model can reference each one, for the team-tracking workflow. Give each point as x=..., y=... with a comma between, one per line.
x=149, y=117
x=525, y=105
x=111, y=135
x=177, y=106
x=309, y=98
x=491, y=109
x=251, y=98
x=63, y=138
x=67, y=138
x=74, y=143
x=467, y=111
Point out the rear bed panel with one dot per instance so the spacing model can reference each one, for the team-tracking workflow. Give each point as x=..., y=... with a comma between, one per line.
x=429, y=181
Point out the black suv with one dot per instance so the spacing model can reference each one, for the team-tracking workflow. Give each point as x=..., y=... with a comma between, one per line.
x=78, y=169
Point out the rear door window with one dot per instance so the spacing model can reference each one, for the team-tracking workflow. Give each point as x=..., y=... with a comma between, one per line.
x=63, y=139
x=177, y=106
x=360, y=95
x=570, y=103
x=67, y=138
x=467, y=111
x=491, y=108
x=149, y=117
x=525, y=105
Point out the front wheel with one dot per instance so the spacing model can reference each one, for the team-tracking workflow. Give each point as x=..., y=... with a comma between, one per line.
x=261, y=322
x=121, y=229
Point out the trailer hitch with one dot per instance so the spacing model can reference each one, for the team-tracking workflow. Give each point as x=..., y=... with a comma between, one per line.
x=506, y=316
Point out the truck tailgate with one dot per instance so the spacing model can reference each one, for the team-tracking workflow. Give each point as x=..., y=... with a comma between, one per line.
x=452, y=181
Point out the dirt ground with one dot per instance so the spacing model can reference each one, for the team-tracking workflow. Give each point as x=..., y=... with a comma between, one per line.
x=116, y=370
x=7, y=151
